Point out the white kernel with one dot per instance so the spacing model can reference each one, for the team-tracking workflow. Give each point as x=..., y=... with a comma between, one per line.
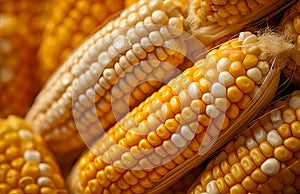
x=110, y=75
x=146, y=67
x=259, y=134
x=46, y=170
x=139, y=51
x=255, y=74
x=274, y=138
x=178, y=140
x=226, y=78
x=32, y=155
x=104, y=59
x=45, y=182
x=147, y=45
x=276, y=118
x=218, y=90
x=159, y=17
x=187, y=133
x=194, y=90
x=25, y=134
x=121, y=43
x=211, y=187
x=133, y=18
x=155, y=38
x=170, y=46
x=264, y=67
x=251, y=143
x=270, y=167
x=212, y=111
x=175, y=26
x=208, y=98
x=295, y=102
x=66, y=79
x=132, y=58
x=243, y=35
x=223, y=64
x=250, y=39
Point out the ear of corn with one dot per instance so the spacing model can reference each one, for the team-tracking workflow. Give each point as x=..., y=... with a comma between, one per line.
x=211, y=19
x=69, y=24
x=16, y=66
x=290, y=25
x=117, y=57
x=174, y=128
x=26, y=165
x=263, y=159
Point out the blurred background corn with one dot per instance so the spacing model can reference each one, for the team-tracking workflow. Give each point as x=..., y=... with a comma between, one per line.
x=31, y=13
x=290, y=25
x=26, y=165
x=173, y=124
x=210, y=20
x=71, y=22
x=117, y=61
x=263, y=159
x=18, y=84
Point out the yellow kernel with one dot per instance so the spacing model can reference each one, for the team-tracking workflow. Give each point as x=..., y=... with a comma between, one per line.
x=295, y=127
x=225, y=166
x=32, y=189
x=244, y=102
x=236, y=69
x=237, y=172
x=31, y=168
x=94, y=186
x=258, y=176
x=284, y=130
x=102, y=179
x=230, y=180
x=245, y=84
x=266, y=149
x=292, y=143
x=248, y=164
x=12, y=152
x=12, y=177
x=233, y=111
x=238, y=189
x=206, y=177
x=222, y=186
x=282, y=153
x=4, y=188
x=236, y=55
x=257, y=156
x=250, y=61
x=234, y=94
x=249, y=184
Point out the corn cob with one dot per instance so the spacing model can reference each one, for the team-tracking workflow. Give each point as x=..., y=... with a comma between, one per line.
x=32, y=13
x=290, y=25
x=263, y=159
x=26, y=165
x=211, y=19
x=16, y=68
x=115, y=57
x=162, y=137
x=69, y=24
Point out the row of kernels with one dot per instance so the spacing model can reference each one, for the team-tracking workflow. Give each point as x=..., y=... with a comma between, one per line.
x=28, y=169
x=127, y=66
x=224, y=13
x=258, y=157
x=175, y=138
